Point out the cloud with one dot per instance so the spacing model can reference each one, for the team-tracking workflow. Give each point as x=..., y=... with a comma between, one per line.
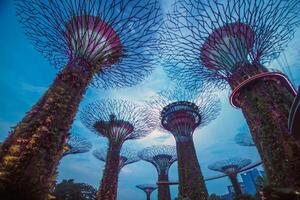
x=32, y=88
x=157, y=137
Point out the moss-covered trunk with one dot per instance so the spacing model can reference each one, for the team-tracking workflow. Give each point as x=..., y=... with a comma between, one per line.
x=191, y=181
x=109, y=183
x=235, y=184
x=265, y=105
x=31, y=152
x=163, y=189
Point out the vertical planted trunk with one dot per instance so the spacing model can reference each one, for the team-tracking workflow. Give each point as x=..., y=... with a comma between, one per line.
x=31, y=152
x=235, y=184
x=163, y=190
x=266, y=105
x=148, y=195
x=191, y=181
x=109, y=183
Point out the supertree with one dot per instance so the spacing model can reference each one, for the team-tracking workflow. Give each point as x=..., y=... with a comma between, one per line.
x=148, y=189
x=162, y=157
x=110, y=41
x=127, y=156
x=229, y=43
x=118, y=121
x=231, y=167
x=180, y=114
x=75, y=145
x=294, y=116
x=244, y=139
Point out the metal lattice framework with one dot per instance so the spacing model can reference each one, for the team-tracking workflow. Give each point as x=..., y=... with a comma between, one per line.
x=230, y=166
x=147, y=188
x=244, y=139
x=127, y=156
x=210, y=39
x=116, y=37
x=182, y=111
x=161, y=156
x=118, y=120
x=76, y=144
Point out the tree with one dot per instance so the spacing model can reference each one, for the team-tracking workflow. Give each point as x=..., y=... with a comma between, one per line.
x=68, y=190
x=228, y=44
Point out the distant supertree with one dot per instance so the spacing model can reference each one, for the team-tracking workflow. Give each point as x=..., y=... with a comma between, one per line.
x=228, y=43
x=148, y=189
x=162, y=157
x=75, y=145
x=244, y=139
x=127, y=156
x=111, y=41
x=118, y=121
x=181, y=113
x=231, y=168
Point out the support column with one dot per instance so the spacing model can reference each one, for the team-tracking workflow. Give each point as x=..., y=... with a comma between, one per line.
x=265, y=105
x=30, y=154
x=235, y=184
x=109, y=183
x=191, y=181
x=163, y=189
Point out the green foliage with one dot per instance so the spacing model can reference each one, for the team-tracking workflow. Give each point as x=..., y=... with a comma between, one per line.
x=68, y=190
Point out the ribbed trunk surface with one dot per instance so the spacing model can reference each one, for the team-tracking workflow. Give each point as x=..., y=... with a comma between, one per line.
x=235, y=184
x=163, y=190
x=265, y=105
x=109, y=183
x=32, y=151
x=191, y=181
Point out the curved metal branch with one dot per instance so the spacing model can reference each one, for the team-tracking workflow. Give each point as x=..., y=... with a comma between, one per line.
x=76, y=144
x=206, y=40
x=116, y=37
x=161, y=156
x=202, y=106
x=118, y=120
x=230, y=166
x=147, y=188
x=127, y=156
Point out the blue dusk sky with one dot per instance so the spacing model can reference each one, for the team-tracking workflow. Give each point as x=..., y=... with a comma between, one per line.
x=25, y=75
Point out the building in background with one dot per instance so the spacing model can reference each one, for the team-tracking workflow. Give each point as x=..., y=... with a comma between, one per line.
x=250, y=179
x=262, y=173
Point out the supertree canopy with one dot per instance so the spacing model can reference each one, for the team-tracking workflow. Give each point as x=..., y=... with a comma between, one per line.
x=118, y=121
x=162, y=157
x=244, y=139
x=228, y=42
x=231, y=167
x=111, y=41
x=182, y=112
x=75, y=145
x=148, y=189
x=127, y=156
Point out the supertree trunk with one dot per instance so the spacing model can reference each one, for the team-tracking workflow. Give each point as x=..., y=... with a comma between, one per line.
x=235, y=184
x=163, y=190
x=148, y=196
x=265, y=105
x=109, y=183
x=191, y=181
x=30, y=154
